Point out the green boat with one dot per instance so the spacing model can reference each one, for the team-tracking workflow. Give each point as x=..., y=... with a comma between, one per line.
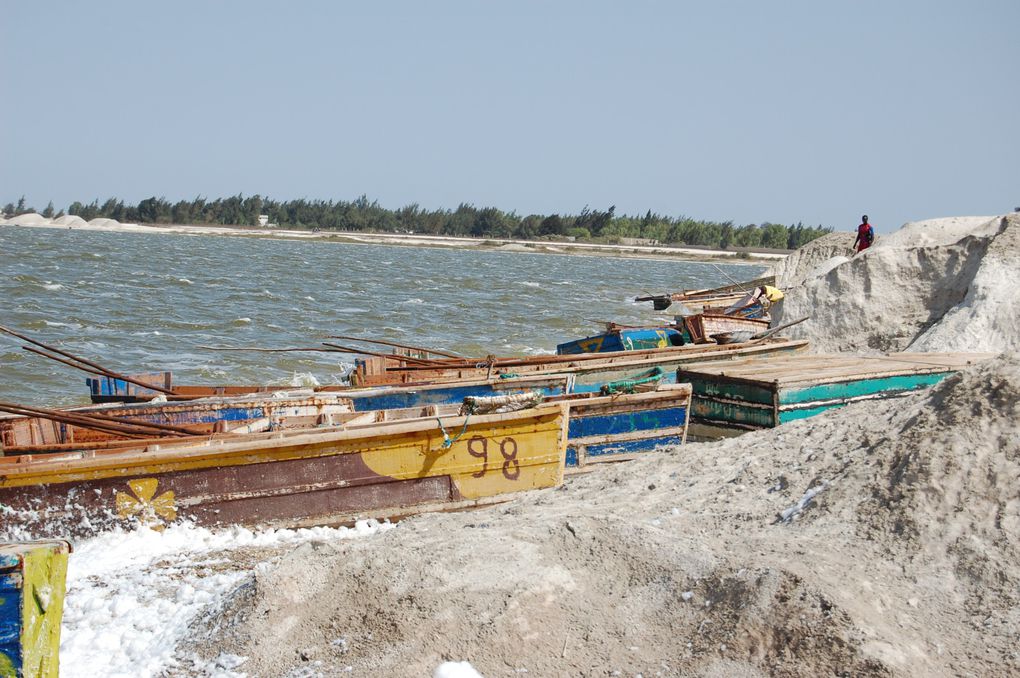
x=736, y=396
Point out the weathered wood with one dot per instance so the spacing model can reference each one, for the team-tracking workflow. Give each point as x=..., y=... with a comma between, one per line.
x=32, y=586
x=288, y=478
x=576, y=363
x=396, y=345
x=748, y=394
x=83, y=361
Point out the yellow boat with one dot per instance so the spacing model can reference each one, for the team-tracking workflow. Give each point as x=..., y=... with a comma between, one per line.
x=290, y=478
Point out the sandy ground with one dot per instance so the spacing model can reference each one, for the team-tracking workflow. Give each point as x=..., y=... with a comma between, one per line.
x=409, y=240
x=879, y=541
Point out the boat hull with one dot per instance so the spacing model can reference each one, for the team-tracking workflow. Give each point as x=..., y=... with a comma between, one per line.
x=584, y=366
x=623, y=340
x=605, y=428
x=289, y=479
x=745, y=396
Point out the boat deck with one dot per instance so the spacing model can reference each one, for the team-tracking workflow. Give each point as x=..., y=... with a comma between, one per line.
x=749, y=394
x=820, y=368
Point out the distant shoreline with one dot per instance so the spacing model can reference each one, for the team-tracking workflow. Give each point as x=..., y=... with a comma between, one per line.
x=447, y=242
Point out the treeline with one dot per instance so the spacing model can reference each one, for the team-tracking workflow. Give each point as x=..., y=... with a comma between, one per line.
x=467, y=220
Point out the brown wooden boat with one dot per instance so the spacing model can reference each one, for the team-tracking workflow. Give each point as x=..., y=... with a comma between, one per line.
x=298, y=478
x=588, y=368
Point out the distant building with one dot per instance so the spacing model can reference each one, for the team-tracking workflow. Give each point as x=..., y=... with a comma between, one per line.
x=263, y=220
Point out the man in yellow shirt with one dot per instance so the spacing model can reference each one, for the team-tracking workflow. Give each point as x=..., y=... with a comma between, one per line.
x=772, y=294
x=766, y=295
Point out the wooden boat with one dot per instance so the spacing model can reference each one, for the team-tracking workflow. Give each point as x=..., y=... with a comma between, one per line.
x=622, y=338
x=107, y=389
x=365, y=398
x=743, y=395
x=587, y=368
x=693, y=329
x=32, y=586
x=290, y=478
x=696, y=301
x=51, y=429
x=753, y=310
x=701, y=327
x=394, y=370
x=602, y=428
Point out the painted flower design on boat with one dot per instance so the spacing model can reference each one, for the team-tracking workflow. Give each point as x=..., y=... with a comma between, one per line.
x=143, y=505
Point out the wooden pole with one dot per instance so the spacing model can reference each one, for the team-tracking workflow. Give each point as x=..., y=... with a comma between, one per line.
x=389, y=356
x=104, y=371
x=110, y=424
x=396, y=345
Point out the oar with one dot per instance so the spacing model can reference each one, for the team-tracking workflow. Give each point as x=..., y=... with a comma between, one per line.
x=104, y=371
x=740, y=286
x=317, y=349
x=768, y=333
x=390, y=356
x=83, y=422
x=396, y=345
x=100, y=370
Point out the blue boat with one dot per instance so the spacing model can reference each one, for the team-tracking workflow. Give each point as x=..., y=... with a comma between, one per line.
x=254, y=413
x=624, y=339
x=393, y=397
x=601, y=427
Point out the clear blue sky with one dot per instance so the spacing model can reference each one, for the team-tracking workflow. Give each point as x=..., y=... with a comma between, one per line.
x=746, y=111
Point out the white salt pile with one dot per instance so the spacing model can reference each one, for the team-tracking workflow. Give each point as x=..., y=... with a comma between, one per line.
x=28, y=219
x=70, y=221
x=33, y=219
x=937, y=285
x=102, y=222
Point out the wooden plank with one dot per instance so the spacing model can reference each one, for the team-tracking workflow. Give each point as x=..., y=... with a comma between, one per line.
x=32, y=587
x=819, y=368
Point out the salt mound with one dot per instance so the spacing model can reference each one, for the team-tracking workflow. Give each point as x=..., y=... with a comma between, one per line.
x=799, y=264
x=934, y=285
x=101, y=222
x=989, y=314
x=29, y=219
x=944, y=231
x=897, y=556
x=70, y=220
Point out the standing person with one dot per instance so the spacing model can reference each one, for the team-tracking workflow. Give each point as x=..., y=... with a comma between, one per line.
x=865, y=235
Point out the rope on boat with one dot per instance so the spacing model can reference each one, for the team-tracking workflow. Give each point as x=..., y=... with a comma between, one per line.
x=511, y=402
x=509, y=375
x=447, y=440
x=630, y=385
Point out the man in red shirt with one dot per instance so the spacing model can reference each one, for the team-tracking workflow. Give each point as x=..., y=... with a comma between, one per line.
x=865, y=235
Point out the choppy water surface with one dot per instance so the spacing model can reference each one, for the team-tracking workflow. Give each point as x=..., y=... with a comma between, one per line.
x=141, y=302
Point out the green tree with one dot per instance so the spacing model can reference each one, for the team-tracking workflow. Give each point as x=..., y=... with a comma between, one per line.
x=552, y=225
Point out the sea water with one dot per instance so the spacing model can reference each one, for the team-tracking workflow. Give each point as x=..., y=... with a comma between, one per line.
x=150, y=302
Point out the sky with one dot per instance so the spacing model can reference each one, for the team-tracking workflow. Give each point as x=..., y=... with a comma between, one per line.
x=743, y=111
